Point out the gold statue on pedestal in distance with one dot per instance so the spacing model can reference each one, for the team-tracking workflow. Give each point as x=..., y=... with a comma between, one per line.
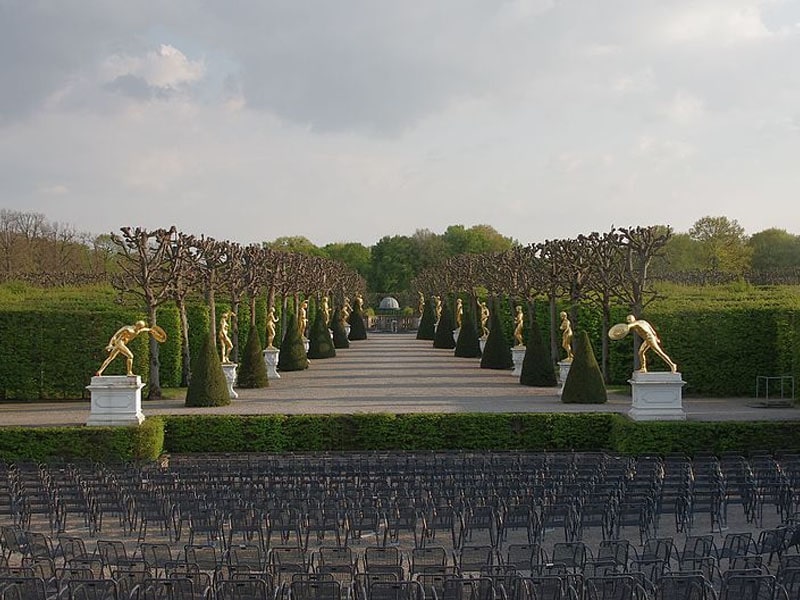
x=225, y=343
x=484, y=318
x=519, y=325
x=566, y=336
x=271, y=320
x=459, y=312
x=118, y=344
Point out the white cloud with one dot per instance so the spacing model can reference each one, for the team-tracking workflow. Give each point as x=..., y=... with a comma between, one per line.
x=165, y=68
x=721, y=22
x=684, y=108
x=53, y=189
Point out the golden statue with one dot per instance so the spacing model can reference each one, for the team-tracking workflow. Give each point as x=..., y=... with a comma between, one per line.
x=484, y=318
x=359, y=300
x=519, y=325
x=326, y=310
x=459, y=312
x=650, y=340
x=271, y=320
x=437, y=307
x=346, y=310
x=566, y=336
x=225, y=343
x=421, y=303
x=302, y=318
x=118, y=344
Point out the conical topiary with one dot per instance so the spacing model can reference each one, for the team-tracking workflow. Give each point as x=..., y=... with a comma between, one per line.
x=468, y=344
x=293, y=352
x=252, y=368
x=320, y=342
x=444, y=330
x=497, y=351
x=358, y=331
x=339, y=334
x=208, y=386
x=427, y=324
x=584, y=384
x=537, y=370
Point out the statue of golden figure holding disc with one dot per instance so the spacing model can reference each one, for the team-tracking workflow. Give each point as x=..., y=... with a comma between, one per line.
x=650, y=340
x=118, y=344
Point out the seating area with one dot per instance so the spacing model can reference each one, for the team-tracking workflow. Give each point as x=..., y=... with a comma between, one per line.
x=404, y=526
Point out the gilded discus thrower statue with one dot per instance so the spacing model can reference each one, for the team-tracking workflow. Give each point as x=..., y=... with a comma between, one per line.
x=566, y=336
x=118, y=344
x=225, y=343
x=519, y=325
x=650, y=340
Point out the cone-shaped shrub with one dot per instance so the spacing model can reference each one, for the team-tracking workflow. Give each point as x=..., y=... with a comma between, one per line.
x=444, y=330
x=537, y=370
x=320, y=342
x=427, y=324
x=584, y=384
x=293, y=352
x=497, y=352
x=358, y=331
x=252, y=368
x=468, y=344
x=339, y=334
x=208, y=386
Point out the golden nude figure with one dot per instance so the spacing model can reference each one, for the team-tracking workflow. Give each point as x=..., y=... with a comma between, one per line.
x=118, y=344
x=302, y=318
x=484, y=319
x=566, y=336
x=225, y=343
x=459, y=312
x=272, y=319
x=650, y=341
x=519, y=326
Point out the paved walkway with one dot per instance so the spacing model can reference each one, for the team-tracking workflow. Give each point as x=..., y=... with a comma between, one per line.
x=394, y=373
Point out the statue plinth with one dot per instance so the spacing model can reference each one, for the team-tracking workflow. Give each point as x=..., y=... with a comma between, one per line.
x=482, y=343
x=306, y=343
x=230, y=377
x=456, y=333
x=116, y=400
x=518, y=356
x=271, y=354
x=657, y=396
x=563, y=371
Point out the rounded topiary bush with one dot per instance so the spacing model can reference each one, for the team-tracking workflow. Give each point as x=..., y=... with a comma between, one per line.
x=293, y=352
x=497, y=351
x=427, y=324
x=584, y=384
x=339, y=333
x=252, y=368
x=320, y=342
x=444, y=330
x=208, y=386
x=468, y=344
x=537, y=370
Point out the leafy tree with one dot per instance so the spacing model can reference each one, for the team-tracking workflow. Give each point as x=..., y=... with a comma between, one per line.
x=252, y=369
x=537, y=369
x=320, y=342
x=354, y=255
x=293, y=352
x=682, y=254
x=430, y=250
x=295, y=243
x=724, y=244
x=774, y=250
x=208, y=386
x=393, y=264
x=584, y=384
x=478, y=239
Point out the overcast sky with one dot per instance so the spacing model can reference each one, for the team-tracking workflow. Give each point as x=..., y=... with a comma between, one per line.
x=349, y=120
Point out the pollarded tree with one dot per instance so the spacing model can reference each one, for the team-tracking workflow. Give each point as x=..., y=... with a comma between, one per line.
x=584, y=384
x=185, y=279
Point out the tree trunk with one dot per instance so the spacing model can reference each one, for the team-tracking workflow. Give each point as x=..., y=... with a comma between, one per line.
x=235, y=331
x=154, y=392
x=554, y=336
x=185, y=350
x=604, y=357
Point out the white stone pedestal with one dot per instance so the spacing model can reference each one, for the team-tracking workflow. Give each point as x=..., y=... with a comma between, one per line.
x=230, y=376
x=657, y=397
x=563, y=371
x=116, y=400
x=482, y=343
x=456, y=333
x=518, y=355
x=271, y=359
x=306, y=344
x=347, y=331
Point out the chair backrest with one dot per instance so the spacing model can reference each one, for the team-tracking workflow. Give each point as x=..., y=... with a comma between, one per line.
x=315, y=590
x=401, y=590
x=749, y=587
x=683, y=587
x=93, y=589
x=236, y=589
